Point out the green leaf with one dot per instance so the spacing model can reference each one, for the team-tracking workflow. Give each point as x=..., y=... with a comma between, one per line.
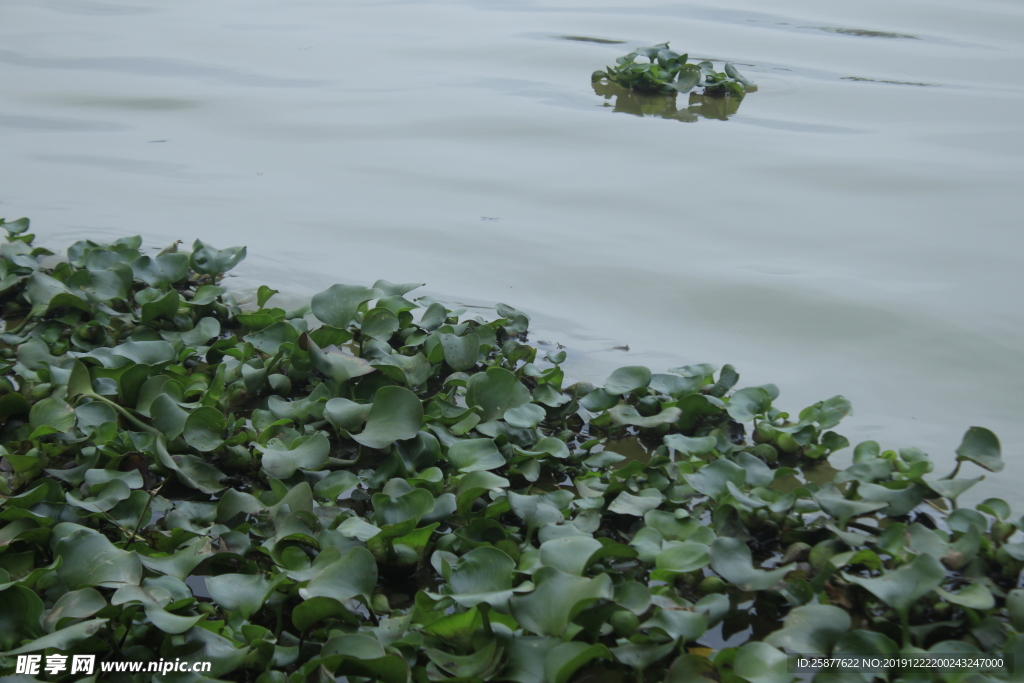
x=470, y=455
x=981, y=447
x=526, y=416
x=146, y=352
x=79, y=604
x=89, y=559
x=730, y=558
x=478, y=665
x=637, y=506
x=337, y=305
x=683, y=558
x=973, y=595
x=346, y=414
x=51, y=415
x=164, y=307
x=351, y=576
x=209, y=261
x=476, y=484
x=565, y=659
x=1015, y=606
x=460, y=352
x=495, y=392
x=62, y=640
x=204, y=429
x=168, y=416
x=396, y=415
x=761, y=663
x=557, y=599
x=270, y=338
x=162, y=271
x=748, y=403
x=690, y=446
x=678, y=624
x=410, y=506
x=307, y=453
x=380, y=324
x=483, y=575
x=712, y=479
x=337, y=364
x=811, y=629
x=313, y=611
x=627, y=379
x=413, y=371
x=570, y=554
x=835, y=504
x=640, y=656
x=900, y=588
x=242, y=593
x=20, y=616
x=263, y=295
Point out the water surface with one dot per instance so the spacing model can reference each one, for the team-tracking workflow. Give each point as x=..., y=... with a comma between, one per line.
x=853, y=227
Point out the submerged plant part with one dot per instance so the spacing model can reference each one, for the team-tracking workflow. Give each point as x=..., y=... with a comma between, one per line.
x=378, y=487
x=667, y=72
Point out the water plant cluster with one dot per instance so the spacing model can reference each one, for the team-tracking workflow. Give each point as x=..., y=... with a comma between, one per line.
x=377, y=487
x=667, y=72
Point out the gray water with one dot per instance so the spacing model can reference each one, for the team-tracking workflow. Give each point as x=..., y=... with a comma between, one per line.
x=852, y=228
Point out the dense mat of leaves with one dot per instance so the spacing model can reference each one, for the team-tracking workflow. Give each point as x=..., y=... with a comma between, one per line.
x=375, y=487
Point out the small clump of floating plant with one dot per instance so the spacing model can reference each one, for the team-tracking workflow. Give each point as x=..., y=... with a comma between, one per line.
x=381, y=488
x=667, y=72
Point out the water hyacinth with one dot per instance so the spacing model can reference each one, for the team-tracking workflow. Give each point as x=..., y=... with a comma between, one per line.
x=378, y=487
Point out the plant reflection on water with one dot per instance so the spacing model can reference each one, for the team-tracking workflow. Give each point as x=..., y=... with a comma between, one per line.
x=666, y=106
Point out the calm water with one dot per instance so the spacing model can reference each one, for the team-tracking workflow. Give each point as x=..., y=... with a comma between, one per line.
x=852, y=228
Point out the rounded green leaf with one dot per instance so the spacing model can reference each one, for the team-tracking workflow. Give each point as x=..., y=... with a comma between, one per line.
x=209, y=261
x=460, y=352
x=678, y=624
x=483, y=575
x=51, y=415
x=312, y=611
x=242, y=593
x=270, y=338
x=412, y=505
x=570, y=554
x=89, y=559
x=204, y=428
x=900, y=588
x=470, y=455
x=627, y=379
x=352, y=575
x=683, y=558
x=1015, y=606
x=526, y=416
x=380, y=323
x=337, y=305
x=811, y=629
x=730, y=557
x=690, y=445
x=162, y=271
x=981, y=447
x=78, y=604
x=748, y=403
x=762, y=663
x=307, y=453
x=495, y=392
x=396, y=415
x=557, y=598
x=565, y=659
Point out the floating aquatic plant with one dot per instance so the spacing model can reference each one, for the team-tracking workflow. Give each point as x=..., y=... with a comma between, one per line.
x=382, y=488
x=667, y=72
